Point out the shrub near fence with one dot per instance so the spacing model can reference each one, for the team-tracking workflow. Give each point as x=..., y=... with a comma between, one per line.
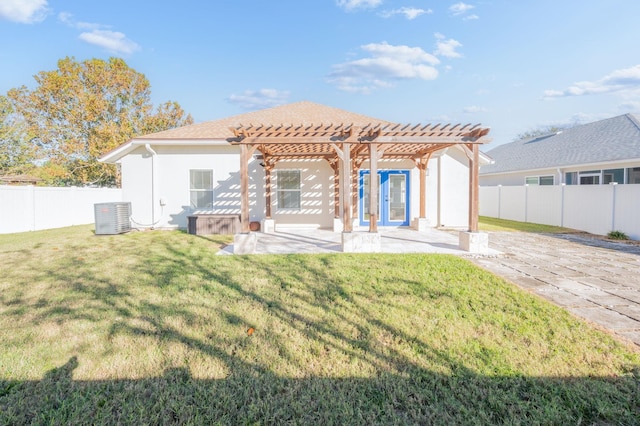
x=597, y=209
x=31, y=208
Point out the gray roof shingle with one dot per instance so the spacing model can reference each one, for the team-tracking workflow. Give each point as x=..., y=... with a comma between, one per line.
x=612, y=139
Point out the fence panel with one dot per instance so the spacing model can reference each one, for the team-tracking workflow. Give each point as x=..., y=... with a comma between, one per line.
x=589, y=208
x=28, y=208
x=513, y=203
x=544, y=204
x=490, y=201
x=597, y=209
x=627, y=210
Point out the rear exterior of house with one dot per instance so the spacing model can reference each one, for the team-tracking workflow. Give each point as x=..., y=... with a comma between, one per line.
x=182, y=172
x=179, y=181
x=598, y=153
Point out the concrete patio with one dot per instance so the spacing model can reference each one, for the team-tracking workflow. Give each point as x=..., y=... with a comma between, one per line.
x=393, y=240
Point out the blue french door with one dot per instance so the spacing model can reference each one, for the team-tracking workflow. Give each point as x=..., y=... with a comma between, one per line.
x=393, y=197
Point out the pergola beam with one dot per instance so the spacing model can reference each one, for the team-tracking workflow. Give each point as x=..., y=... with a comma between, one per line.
x=346, y=147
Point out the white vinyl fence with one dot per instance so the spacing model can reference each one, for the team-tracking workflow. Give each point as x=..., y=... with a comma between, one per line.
x=597, y=209
x=31, y=208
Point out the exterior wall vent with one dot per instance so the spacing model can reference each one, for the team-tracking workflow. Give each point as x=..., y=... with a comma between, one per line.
x=112, y=218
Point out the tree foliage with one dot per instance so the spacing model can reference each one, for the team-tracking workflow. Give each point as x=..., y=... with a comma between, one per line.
x=540, y=131
x=82, y=110
x=16, y=154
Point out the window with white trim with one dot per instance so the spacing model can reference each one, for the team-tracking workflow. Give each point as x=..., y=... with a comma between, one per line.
x=201, y=188
x=547, y=180
x=288, y=189
x=539, y=180
x=633, y=175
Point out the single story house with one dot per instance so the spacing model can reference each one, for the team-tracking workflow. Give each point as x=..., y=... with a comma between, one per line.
x=598, y=153
x=304, y=165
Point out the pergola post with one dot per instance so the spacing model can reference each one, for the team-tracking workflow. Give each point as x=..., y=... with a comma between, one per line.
x=422, y=166
x=373, y=187
x=474, y=183
x=336, y=189
x=267, y=184
x=245, y=242
x=244, y=188
x=345, y=173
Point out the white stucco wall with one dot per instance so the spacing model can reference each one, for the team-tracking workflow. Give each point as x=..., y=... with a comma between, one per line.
x=172, y=165
x=454, y=189
x=317, y=195
x=447, y=199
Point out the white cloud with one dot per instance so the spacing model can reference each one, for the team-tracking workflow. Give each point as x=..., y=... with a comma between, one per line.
x=111, y=40
x=447, y=48
x=409, y=12
x=259, y=99
x=617, y=81
x=474, y=109
x=100, y=35
x=631, y=106
x=386, y=64
x=460, y=8
x=24, y=11
x=470, y=17
x=67, y=19
x=358, y=4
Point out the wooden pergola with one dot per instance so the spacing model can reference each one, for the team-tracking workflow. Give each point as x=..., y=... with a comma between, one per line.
x=345, y=147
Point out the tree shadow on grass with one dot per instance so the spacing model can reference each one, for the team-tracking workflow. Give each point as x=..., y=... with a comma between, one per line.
x=415, y=397
x=395, y=389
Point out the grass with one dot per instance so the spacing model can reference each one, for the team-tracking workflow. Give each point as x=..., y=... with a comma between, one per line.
x=151, y=328
x=504, y=225
x=617, y=235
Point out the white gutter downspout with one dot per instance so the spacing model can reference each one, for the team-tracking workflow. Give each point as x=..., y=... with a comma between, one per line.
x=153, y=181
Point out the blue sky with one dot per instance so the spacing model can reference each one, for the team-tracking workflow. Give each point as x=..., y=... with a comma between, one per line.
x=512, y=65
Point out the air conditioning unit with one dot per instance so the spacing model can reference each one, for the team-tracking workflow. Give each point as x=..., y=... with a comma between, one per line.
x=112, y=218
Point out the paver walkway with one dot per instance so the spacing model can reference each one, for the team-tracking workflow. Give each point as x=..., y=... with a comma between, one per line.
x=595, y=279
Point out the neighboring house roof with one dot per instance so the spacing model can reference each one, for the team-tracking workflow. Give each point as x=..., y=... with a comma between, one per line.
x=303, y=112
x=609, y=140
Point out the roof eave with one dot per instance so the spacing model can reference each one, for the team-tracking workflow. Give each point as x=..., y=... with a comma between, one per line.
x=566, y=166
x=117, y=154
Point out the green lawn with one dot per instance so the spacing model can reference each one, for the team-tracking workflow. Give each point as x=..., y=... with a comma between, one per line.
x=153, y=328
x=504, y=225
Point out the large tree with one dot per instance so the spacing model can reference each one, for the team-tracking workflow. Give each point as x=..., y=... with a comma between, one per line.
x=16, y=154
x=82, y=110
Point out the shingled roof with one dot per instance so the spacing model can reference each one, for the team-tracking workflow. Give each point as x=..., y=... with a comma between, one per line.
x=304, y=112
x=612, y=139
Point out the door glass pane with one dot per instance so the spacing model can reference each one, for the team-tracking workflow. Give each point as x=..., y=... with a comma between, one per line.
x=397, y=197
x=365, y=198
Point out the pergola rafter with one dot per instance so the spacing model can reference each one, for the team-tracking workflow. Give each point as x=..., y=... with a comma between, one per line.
x=346, y=146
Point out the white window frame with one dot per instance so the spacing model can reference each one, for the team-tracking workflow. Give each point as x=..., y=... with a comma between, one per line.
x=553, y=180
x=280, y=191
x=537, y=179
x=627, y=175
x=590, y=173
x=193, y=190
